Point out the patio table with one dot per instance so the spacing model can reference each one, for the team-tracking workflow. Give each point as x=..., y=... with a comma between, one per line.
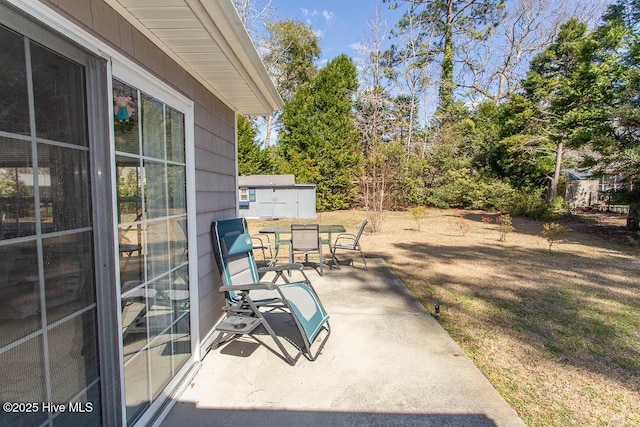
x=279, y=230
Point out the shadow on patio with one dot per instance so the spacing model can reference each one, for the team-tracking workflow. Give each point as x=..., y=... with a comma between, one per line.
x=387, y=362
x=254, y=417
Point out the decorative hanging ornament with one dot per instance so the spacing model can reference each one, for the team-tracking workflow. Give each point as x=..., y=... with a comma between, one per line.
x=123, y=108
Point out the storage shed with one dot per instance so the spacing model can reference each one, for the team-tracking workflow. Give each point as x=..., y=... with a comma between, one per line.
x=276, y=196
x=582, y=190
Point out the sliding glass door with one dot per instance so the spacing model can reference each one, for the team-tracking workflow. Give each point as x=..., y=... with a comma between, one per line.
x=48, y=312
x=152, y=233
x=94, y=286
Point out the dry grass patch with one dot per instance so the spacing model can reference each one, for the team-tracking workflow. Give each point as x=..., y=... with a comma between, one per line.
x=557, y=333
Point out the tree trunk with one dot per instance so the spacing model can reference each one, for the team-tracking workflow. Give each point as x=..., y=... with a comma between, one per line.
x=267, y=132
x=446, y=74
x=553, y=193
x=633, y=219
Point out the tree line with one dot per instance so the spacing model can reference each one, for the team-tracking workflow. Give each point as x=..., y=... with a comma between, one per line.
x=519, y=95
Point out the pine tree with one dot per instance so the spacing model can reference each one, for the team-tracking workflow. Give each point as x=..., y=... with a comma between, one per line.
x=319, y=142
x=438, y=24
x=251, y=159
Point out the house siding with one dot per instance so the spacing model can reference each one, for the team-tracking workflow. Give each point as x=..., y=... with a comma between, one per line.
x=214, y=136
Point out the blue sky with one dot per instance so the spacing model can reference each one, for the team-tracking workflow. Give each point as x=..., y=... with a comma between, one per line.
x=340, y=24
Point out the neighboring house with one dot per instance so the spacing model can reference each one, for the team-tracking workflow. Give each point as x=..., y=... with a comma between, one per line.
x=117, y=150
x=613, y=183
x=582, y=191
x=276, y=196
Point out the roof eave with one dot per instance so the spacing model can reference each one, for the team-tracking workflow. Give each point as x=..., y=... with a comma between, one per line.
x=220, y=20
x=243, y=52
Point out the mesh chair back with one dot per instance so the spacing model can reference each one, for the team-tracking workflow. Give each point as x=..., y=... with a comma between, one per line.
x=364, y=224
x=305, y=237
x=233, y=250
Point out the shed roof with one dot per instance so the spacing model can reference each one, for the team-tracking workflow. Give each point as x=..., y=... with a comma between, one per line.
x=577, y=174
x=270, y=181
x=266, y=181
x=207, y=39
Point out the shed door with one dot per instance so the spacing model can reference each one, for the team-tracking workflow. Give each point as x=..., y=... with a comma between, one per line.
x=274, y=204
x=280, y=208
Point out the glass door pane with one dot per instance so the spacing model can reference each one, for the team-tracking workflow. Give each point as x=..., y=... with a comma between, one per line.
x=14, y=102
x=152, y=223
x=48, y=330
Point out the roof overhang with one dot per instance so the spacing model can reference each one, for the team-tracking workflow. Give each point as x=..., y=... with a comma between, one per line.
x=208, y=40
x=266, y=180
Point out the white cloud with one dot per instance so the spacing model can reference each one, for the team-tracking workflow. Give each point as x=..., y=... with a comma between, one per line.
x=306, y=12
x=328, y=16
x=318, y=33
x=359, y=47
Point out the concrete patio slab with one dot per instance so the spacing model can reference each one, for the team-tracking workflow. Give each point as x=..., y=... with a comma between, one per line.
x=388, y=362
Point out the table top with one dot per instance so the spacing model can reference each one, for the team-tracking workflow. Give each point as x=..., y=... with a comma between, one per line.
x=324, y=228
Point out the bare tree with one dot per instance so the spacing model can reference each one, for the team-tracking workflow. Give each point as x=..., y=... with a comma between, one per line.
x=254, y=14
x=439, y=26
x=374, y=104
x=377, y=112
x=493, y=68
x=288, y=51
x=413, y=67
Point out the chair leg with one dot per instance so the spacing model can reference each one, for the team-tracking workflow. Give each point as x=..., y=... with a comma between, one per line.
x=270, y=256
x=321, y=263
x=264, y=257
x=363, y=260
x=334, y=260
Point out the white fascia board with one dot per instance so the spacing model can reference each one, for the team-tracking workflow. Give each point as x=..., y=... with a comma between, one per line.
x=244, y=48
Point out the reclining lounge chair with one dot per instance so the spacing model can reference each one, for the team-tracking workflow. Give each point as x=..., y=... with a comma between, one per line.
x=251, y=305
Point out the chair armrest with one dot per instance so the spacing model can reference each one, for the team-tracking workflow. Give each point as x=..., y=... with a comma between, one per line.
x=249, y=287
x=281, y=267
x=259, y=239
x=349, y=235
x=345, y=236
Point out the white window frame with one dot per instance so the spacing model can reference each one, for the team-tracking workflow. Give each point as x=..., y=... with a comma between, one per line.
x=244, y=194
x=151, y=85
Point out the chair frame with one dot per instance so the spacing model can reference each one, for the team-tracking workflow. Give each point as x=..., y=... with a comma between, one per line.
x=316, y=247
x=251, y=317
x=350, y=242
x=246, y=316
x=260, y=244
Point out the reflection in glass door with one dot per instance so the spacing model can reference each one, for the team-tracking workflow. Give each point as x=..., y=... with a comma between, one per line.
x=152, y=234
x=48, y=330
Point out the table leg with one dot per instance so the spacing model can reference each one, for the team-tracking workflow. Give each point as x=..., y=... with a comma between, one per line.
x=274, y=257
x=334, y=260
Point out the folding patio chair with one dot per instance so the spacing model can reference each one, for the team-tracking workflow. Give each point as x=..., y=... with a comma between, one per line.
x=305, y=239
x=252, y=315
x=263, y=243
x=350, y=242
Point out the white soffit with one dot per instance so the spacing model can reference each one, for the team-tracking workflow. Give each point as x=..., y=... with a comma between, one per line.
x=207, y=39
